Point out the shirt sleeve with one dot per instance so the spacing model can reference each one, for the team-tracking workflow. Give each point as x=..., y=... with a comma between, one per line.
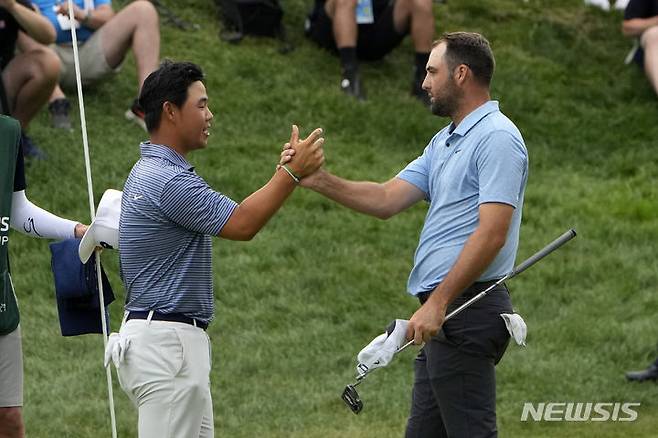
x=190, y=202
x=417, y=172
x=502, y=166
x=19, y=174
x=637, y=9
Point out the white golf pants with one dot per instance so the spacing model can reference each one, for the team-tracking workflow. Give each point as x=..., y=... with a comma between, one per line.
x=166, y=373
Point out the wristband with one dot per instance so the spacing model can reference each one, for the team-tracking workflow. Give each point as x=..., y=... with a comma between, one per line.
x=292, y=175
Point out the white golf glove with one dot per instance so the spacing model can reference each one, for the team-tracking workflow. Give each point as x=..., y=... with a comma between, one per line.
x=116, y=349
x=516, y=327
x=381, y=350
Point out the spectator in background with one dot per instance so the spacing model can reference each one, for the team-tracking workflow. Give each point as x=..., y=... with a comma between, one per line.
x=104, y=37
x=29, y=77
x=369, y=30
x=641, y=21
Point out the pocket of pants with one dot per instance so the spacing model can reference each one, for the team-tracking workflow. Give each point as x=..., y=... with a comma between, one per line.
x=209, y=351
x=173, y=352
x=154, y=350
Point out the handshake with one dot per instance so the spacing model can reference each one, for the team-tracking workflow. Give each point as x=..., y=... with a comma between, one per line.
x=302, y=158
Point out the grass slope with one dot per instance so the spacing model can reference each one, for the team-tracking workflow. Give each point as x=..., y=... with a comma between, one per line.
x=295, y=305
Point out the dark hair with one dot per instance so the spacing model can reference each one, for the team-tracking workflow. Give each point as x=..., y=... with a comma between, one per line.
x=169, y=83
x=471, y=49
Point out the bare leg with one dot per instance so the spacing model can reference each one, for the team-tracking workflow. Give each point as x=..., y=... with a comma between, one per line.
x=136, y=26
x=416, y=14
x=649, y=41
x=57, y=94
x=11, y=423
x=343, y=17
x=30, y=79
x=27, y=44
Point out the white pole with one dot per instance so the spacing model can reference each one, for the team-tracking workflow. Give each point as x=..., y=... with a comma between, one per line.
x=90, y=190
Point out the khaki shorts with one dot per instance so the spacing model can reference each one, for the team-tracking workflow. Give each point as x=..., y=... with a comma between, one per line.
x=93, y=65
x=11, y=369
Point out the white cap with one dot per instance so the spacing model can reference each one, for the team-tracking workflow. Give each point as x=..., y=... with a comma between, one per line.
x=104, y=230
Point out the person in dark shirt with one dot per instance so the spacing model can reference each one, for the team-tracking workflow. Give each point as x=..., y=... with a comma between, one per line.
x=641, y=21
x=369, y=30
x=29, y=77
x=22, y=215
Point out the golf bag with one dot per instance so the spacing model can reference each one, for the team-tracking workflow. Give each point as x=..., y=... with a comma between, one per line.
x=252, y=17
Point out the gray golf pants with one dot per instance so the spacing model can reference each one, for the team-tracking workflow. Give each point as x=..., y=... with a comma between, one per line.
x=454, y=393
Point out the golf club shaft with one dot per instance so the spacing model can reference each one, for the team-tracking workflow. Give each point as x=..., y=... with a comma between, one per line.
x=522, y=267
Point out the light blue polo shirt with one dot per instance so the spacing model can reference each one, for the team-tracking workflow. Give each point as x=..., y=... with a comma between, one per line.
x=483, y=159
x=168, y=215
x=48, y=9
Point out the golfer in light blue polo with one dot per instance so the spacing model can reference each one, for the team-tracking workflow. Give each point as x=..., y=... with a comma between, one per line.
x=473, y=174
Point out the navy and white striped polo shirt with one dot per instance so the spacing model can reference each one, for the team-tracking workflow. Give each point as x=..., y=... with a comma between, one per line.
x=168, y=215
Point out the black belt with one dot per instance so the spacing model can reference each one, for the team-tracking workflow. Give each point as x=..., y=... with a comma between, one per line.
x=171, y=317
x=469, y=292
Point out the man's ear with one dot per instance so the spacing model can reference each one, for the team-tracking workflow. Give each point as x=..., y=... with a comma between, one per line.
x=169, y=110
x=461, y=73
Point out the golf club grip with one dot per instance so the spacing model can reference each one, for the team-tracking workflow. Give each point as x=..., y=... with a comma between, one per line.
x=544, y=252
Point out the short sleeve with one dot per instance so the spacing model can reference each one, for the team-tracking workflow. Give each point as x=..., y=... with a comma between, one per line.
x=417, y=172
x=637, y=9
x=502, y=165
x=190, y=202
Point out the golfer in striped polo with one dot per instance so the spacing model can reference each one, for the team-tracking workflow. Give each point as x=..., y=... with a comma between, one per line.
x=168, y=216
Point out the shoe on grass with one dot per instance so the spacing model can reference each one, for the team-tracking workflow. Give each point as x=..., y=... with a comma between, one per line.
x=351, y=84
x=650, y=373
x=30, y=149
x=59, y=113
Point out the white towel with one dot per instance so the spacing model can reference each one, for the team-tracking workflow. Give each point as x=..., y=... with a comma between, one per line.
x=116, y=349
x=381, y=350
x=516, y=327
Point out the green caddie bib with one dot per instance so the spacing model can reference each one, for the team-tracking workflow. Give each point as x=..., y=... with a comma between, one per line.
x=10, y=134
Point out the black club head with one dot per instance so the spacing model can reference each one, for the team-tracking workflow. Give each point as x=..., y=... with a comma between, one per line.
x=351, y=399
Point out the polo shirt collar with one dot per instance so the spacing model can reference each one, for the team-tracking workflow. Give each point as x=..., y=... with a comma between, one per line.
x=473, y=118
x=152, y=150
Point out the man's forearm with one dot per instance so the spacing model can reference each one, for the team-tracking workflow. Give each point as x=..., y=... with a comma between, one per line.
x=479, y=251
x=636, y=26
x=96, y=18
x=256, y=210
x=362, y=196
x=34, y=24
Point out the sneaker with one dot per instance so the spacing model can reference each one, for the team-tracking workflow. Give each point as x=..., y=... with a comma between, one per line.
x=136, y=114
x=30, y=150
x=417, y=87
x=59, y=113
x=650, y=373
x=351, y=84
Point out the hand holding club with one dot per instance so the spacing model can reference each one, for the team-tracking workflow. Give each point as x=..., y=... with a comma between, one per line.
x=425, y=322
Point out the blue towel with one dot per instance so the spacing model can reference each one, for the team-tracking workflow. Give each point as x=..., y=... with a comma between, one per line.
x=76, y=289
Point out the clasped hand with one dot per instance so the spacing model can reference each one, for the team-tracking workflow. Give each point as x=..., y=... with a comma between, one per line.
x=303, y=157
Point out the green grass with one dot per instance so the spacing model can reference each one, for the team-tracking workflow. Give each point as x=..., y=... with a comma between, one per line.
x=296, y=304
